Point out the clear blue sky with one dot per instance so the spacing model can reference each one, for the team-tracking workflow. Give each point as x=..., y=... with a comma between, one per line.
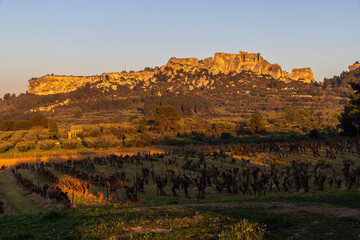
x=85, y=37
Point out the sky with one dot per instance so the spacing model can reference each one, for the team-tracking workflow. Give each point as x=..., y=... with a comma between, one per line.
x=89, y=37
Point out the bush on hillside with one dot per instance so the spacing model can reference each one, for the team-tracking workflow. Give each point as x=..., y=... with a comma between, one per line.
x=5, y=146
x=31, y=136
x=69, y=143
x=25, y=146
x=255, y=124
x=46, y=144
x=108, y=141
x=90, y=142
x=104, y=141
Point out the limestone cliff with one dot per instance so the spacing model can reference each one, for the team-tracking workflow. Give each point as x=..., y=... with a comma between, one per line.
x=221, y=63
x=354, y=66
x=51, y=84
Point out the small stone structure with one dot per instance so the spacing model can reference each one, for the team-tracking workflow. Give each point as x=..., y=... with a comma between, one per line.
x=75, y=129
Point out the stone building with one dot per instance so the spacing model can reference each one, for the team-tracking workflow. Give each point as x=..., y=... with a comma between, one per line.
x=75, y=129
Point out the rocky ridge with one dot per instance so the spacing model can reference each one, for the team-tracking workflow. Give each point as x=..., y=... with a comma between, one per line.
x=354, y=66
x=175, y=69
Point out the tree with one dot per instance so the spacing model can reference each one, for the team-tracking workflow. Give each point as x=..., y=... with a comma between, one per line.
x=53, y=128
x=22, y=125
x=255, y=124
x=3, y=126
x=165, y=118
x=7, y=96
x=39, y=120
x=350, y=118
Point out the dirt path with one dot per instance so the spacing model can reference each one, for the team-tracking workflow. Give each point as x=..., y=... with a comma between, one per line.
x=281, y=208
x=294, y=208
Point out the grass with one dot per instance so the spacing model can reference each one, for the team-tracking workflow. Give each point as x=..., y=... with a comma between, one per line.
x=336, y=199
x=20, y=203
x=41, y=180
x=177, y=223
x=103, y=222
x=303, y=226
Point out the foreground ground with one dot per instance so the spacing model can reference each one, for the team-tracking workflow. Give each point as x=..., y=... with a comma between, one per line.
x=323, y=216
x=323, y=211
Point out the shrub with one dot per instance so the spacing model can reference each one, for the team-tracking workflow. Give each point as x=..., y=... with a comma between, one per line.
x=17, y=136
x=44, y=136
x=350, y=118
x=5, y=135
x=314, y=134
x=256, y=124
x=6, y=146
x=69, y=144
x=31, y=137
x=90, y=142
x=225, y=135
x=107, y=141
x=46, y=144
x=243, y=230
x=93, y=131
x=25, y=146
x=165, y=118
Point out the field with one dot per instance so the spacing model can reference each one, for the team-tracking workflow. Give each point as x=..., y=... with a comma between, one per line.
x=297, y=190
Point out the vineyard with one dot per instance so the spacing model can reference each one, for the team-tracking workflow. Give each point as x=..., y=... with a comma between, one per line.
x=212, y=179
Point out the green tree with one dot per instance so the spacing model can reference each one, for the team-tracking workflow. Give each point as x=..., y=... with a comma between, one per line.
x=53, y=128
x=3, y=126
x=22, y=125
x=255, y=124
x=7, y=96
x=142, y=125
x=39, y=120
x=350, y=118
x=165, y=118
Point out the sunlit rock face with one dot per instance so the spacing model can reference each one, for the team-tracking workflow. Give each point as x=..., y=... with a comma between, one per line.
x=224, y=63
x=354, y=66
x=304, y=74
x=51, y=84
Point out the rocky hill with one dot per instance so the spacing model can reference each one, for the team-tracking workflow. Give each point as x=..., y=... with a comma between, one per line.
x=176, y=68
x=224, y=86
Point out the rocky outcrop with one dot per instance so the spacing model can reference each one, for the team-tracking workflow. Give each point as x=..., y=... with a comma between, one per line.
x=304, y=74
x=226, y=63
x=221, y=63
x=354, y=66
x=51, y=84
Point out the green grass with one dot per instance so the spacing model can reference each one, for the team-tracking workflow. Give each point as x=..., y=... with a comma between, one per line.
x=34, y=177
x=103, y=222
x=20, y=203
x=180, y=223
x=336, y=199
x=285, y=226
